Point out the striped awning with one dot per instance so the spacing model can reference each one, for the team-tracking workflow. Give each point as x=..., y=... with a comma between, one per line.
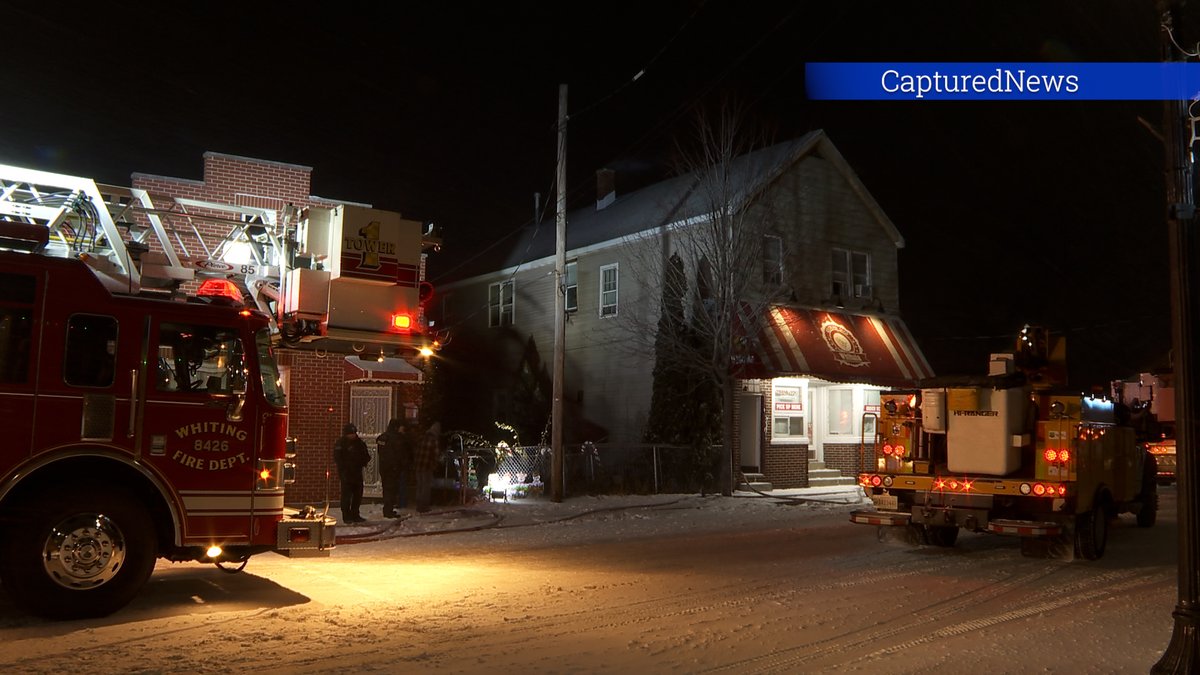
x=835, y=346
x=389, y=370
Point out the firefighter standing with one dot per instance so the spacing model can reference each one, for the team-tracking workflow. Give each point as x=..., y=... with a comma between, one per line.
x=351, y=456
x=395, y=456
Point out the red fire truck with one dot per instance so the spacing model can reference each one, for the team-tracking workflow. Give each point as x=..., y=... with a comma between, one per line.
x=135, y=427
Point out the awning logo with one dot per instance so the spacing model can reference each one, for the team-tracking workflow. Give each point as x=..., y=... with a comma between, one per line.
x=842, y=343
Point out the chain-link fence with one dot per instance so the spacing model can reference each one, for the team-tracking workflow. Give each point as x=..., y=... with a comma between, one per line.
x=607, y=468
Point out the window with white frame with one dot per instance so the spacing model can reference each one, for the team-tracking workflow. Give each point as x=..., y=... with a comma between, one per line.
x=847, y=408
x=608, y=290
x=500, y=303
x=851, y=274
x=870, y=413
x=772, y=260
x=841, y=412
x=789, y=408
x=571, y=286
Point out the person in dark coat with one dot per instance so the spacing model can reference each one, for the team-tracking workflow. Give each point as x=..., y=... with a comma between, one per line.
x=425, y=458
x=395, y=456
x=351, y=456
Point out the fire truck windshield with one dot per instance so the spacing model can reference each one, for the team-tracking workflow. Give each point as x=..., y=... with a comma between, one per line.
x=271, y=380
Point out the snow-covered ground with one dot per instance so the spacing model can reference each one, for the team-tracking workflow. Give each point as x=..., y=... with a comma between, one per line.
x=665, y=583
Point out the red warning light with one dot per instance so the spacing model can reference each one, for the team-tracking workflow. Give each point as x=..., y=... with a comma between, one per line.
x=220, y=288
x=401, y=321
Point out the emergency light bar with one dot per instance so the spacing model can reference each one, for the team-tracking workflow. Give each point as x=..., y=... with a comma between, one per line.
x=220, y=288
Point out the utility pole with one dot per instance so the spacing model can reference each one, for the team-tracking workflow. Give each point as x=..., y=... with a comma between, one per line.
x=560, y=303
x=1183, y=652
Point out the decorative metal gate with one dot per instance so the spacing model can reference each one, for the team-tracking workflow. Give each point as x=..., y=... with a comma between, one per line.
x=370, y=410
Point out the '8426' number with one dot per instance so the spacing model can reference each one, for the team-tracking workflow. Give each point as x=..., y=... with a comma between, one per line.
x=210, y=446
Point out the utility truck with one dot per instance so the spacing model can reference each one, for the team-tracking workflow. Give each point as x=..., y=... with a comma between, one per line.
x=1010, y=454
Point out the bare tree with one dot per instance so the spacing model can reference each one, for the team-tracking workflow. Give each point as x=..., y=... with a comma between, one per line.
x=717, y=242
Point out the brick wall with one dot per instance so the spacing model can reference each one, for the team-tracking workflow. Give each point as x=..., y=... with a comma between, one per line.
x=843, y=457
x=318, y=405
x=785, y=466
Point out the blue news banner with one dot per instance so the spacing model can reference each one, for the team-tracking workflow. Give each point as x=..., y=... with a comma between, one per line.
x=1151, y=81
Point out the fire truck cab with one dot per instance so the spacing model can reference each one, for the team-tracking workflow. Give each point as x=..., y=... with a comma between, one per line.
x=135, y=428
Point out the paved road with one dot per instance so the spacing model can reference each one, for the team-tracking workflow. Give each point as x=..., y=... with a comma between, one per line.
x=693, y=585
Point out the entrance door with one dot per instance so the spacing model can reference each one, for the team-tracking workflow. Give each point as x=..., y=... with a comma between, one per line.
x=370, y=410
x=750, y=435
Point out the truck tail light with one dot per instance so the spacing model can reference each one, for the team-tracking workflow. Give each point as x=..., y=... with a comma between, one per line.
x=1044, y=489
x=1053, y=455
x=953, y=485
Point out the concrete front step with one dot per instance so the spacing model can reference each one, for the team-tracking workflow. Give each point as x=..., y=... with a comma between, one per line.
x=755, y=487
x=754, y=482
x=819, y=476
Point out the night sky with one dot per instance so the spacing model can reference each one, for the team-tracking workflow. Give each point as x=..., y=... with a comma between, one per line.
x=1047, y=213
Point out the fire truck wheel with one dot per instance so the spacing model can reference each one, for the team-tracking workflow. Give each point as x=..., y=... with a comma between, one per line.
x=80, y=555
x=1091, y=532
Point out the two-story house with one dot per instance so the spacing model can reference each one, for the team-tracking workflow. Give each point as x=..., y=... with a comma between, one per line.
x=816, y=355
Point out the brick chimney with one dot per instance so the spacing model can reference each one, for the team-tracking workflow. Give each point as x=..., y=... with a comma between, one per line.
x=606, y=190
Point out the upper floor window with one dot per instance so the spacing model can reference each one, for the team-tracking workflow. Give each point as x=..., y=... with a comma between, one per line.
x=571, y=286
x=608, y=290
x=851, y=274
x=772, y=260
x=500, y=303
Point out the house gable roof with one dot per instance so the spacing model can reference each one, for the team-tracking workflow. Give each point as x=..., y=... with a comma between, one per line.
x=677, y=200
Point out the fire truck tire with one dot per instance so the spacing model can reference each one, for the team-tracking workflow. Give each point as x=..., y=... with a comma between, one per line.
x=1091, y=532
x=80, y=555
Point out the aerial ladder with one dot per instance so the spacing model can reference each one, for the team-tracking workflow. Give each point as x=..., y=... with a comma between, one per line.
x=288, y=263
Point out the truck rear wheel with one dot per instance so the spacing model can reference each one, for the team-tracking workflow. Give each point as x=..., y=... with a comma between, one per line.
x=1091, y=532
x=79, y=555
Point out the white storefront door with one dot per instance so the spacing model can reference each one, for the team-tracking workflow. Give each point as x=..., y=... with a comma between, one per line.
x=370, y=410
